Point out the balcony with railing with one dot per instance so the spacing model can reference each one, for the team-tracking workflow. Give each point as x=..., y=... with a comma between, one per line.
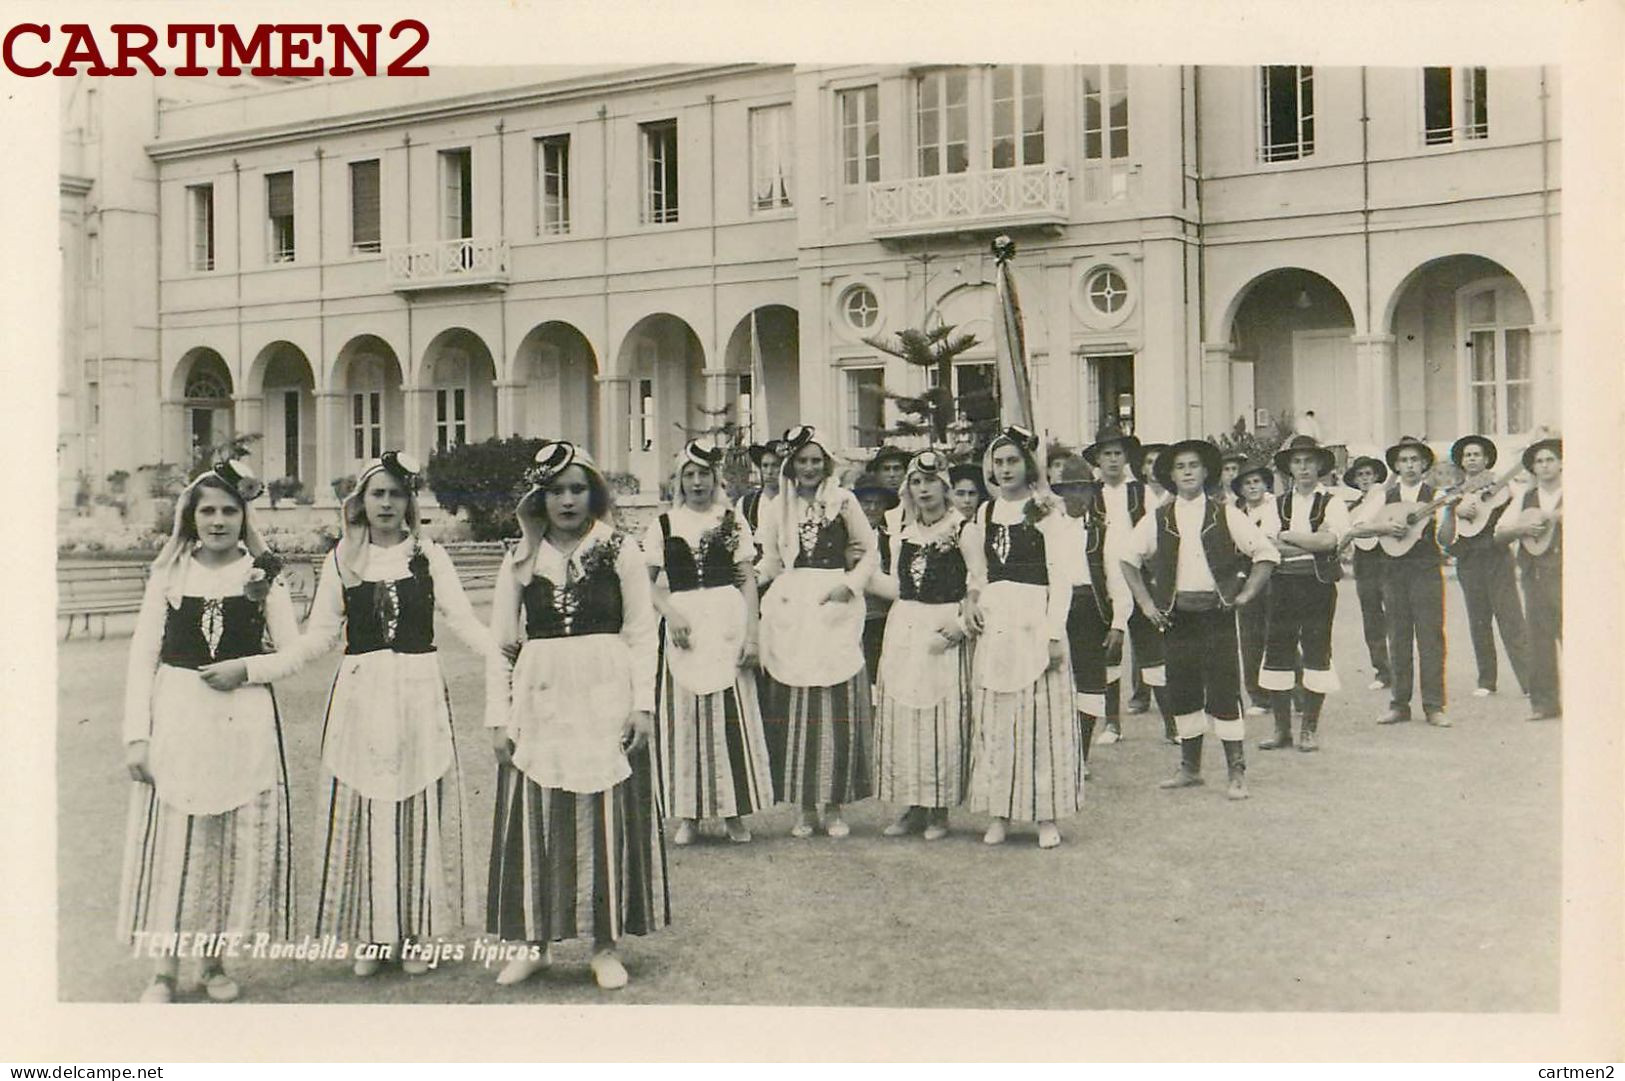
x=468, y=263
x=1033, y=195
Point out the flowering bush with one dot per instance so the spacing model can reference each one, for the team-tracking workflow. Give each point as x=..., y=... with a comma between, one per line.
x=87, y=536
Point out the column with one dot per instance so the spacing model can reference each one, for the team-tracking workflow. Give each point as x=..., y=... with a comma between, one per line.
x=248, y=416
x=510, y=408
x=614, y=423
x=416, y=403
x=1219, y=410
x=332, y=454
x=174, y=446
x=1545, y=346
x=721, y=397
x=1375, y=426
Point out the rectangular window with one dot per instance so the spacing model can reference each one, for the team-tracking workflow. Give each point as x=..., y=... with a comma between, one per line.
x=659, y=171
x=367, y=424
x=1455, y=105
x=1018, y=116
x=450, y=418
x=456, y=194
x=745, y=408
x=279, y=216
x=290, y=433
x=646, y=413
x=860, y=135
x=364, y=206
x=942, y=122
x=553, y=172
x=865, y=407
x=975, y=391
x=772, y=157
x=1287, y=107
x=1105, y=112
x=200, y=223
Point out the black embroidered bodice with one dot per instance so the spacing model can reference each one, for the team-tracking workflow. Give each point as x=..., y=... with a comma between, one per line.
x=931, y=573
x=822, y=544
x=204, y=630
x=588, y=604
x=1015, y=553
x=396, y=615
x=710, y=567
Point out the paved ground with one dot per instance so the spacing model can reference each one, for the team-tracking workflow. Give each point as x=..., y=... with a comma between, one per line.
x=1403, y=868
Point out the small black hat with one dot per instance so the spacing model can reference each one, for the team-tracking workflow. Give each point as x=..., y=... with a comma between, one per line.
x=1283, y=457
x=1391, y=455
x=1263, y=469
x=886, y=453
x=1362, y=462
x=1105, y=438
x=868, y=484
x=1552, y=443
x=757, y=451
x=1483, y=441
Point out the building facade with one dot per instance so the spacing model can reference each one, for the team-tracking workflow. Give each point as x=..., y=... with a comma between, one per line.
x=624, y=255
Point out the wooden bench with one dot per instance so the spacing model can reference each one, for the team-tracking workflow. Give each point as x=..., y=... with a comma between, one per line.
x=477, y=562
x=99, y=589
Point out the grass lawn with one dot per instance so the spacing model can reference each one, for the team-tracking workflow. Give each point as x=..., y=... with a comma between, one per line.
x=1402, y=868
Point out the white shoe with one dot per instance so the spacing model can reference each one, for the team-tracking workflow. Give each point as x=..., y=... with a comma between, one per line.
x=158, y=993
x=1108, y=737
x=1482, y=692
x=685, y=833
x=738, y=832
x=221, y=987
x=608, y=971
x=521, y=969
x=1376, y=685
x=1049, y=835
x=837, y=828
x=995, y=833
x=367, y=966
x=415, y=967
x=1256, y=711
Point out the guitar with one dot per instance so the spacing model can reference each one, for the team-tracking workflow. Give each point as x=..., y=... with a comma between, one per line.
x=1490, y=495
x=1541, y=543
x=1414, y=516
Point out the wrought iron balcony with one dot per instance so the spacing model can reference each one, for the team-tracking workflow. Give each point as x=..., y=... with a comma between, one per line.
x=447, y=264
x=1033, y=195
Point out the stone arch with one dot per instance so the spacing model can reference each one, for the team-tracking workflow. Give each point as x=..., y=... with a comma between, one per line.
x=664, y=363
x=763, y=361
x=557, y=375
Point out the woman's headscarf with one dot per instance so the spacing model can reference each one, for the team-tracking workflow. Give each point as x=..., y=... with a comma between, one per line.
x=705, y=456
x=828, y=494
x=1032, y=449
x=552, y=458
x=238, y=478
x=928, y=463
x=351, y=554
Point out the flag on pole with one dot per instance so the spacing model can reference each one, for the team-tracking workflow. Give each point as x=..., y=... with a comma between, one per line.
x=1010, y=341
x=758, y=384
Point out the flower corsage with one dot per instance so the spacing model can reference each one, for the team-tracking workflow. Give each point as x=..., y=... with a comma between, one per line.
x=263, y=575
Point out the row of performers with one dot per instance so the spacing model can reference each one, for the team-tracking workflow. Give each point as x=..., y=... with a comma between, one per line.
x=577, y=673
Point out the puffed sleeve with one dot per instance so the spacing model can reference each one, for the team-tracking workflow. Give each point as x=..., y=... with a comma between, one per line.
x=145, y=643
x=451, y=601
x=971, y=540
x=1061, y=541
x=1140, y=543
x=638, y=625
x=322, y=632
x=861, y=534
x=745, y=546
x=1336, y=519
x=654, y=545
x=1506, y=528
x=279, y=615
x=1250, y=539
x=771, y=564
x=504, y=628
x=1116, y=584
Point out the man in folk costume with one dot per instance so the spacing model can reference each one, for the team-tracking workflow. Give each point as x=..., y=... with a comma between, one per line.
x=1484, y=567
x=1155, y=496
x=1101, y=603
x=1367, y=476
x=1412, y=591
x=888, y=467
x=1120, y=501
x=1531, y=520
x=1303, y=592
x=879, y=502
x=767, y=458
x=1231, y=466
x=1251, y=486
x=1181, y=564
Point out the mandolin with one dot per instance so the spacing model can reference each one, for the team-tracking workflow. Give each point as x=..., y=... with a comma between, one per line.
x=1542, y=542
x=1490, y=494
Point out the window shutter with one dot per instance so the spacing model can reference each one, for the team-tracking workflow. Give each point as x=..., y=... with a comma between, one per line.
x=364, y=204
x=279, y=195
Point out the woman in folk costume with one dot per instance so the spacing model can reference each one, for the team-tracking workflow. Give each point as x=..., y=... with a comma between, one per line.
x=392, y=843
x=576, y=845
x=1027, y=764
x=711, y=749
x=818, y=711
x=922, y=693
x=206, y=851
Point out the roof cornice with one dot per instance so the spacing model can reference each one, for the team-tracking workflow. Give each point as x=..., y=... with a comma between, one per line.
x=485, y=101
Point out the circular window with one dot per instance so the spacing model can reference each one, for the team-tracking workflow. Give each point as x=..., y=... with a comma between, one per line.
x=861, y=307
x=1107, y=291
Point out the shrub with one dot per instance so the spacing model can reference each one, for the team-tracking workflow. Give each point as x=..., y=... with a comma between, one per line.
x=343, y=486
x=485, y=480
x=284, y=488
x=1258, y=446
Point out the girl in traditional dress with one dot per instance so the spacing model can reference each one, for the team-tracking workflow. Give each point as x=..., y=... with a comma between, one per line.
x=922, y=695
x=577, y=842
x=1027, y=764
x=711, y=748
x=207, y=847
x=392, y=839
x=818, y=711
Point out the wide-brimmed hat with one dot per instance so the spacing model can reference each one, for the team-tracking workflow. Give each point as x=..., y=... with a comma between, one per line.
x=1105, y=438
x=1360, y=463
x=1263, y=469
x=885, y=454
x=1391, y=455
x=1483, y=441
x=868, y=485
x=1551, y=443
x=1166, y=455
x=1299, y=443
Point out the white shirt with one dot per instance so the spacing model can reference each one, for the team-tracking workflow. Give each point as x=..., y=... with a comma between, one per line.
x=1335, y=521
x=1193, y=574
x=1364, y=510
x=1116, y=585
x=690, y=525
x=1266, y=515
x=1115, y=496
x=1547, y=501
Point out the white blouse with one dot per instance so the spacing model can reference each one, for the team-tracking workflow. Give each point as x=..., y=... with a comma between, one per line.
x=691, y=525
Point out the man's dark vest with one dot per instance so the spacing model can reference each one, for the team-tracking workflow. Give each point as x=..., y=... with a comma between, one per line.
x=589, y=605
x=1425, y=552
x=712, y=568
x=1014, y=553
x=1482, y=546
x=1552, y=556
x=1136, y=500
x=1094, y=553
x=371, y=609
x=1224, y=560
x=1328, y=568
x=186, y=643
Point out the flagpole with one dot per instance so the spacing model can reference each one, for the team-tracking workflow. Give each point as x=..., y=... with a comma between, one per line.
x=1010, y=342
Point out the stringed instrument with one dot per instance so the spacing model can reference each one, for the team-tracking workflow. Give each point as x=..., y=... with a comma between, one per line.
x=1542, y=542
x=1415, y=518
x=1490, y=496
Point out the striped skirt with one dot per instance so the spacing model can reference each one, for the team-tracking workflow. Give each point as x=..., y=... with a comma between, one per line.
x=1027, y=760
x=821, y=740
x=922, y=756
x=564, y=863
x=391, y=870
x=207, y=874
x=711, y=750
